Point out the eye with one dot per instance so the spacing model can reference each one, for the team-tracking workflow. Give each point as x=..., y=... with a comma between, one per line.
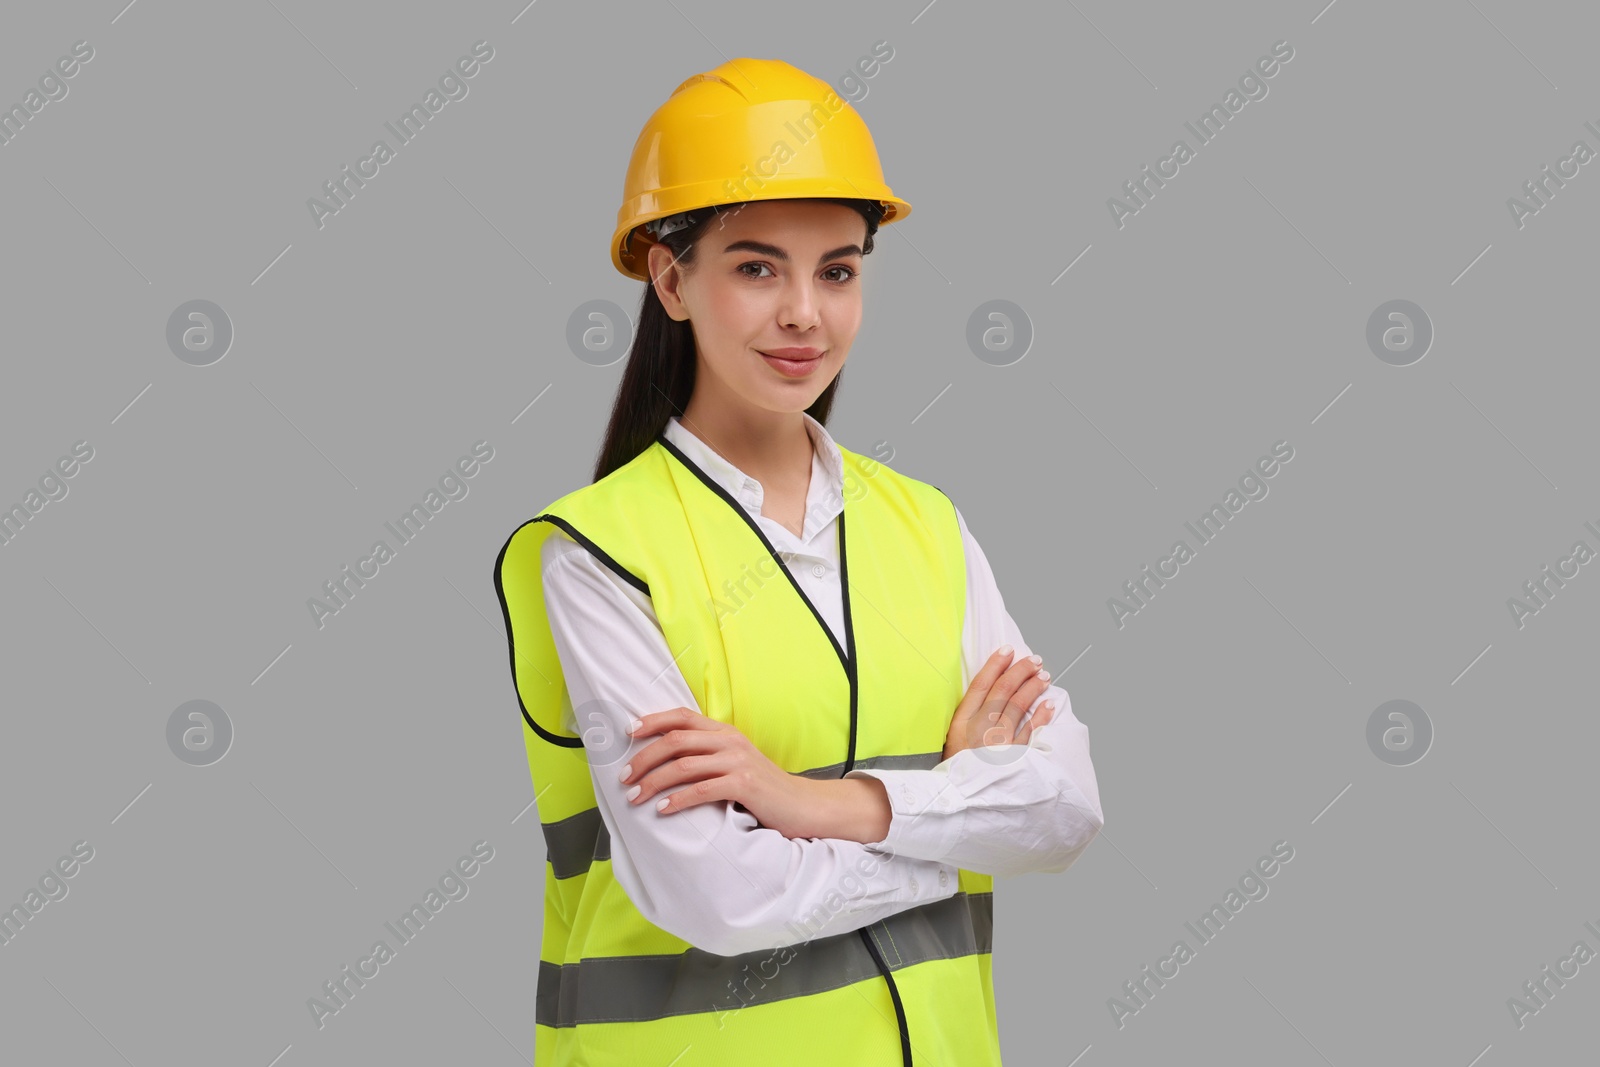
x=849, y=274
x=757, y=277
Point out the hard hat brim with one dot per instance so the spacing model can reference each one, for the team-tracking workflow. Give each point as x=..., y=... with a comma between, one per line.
x=630, y=245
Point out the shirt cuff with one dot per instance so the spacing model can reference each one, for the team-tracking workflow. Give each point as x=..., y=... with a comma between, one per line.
x=928, y=813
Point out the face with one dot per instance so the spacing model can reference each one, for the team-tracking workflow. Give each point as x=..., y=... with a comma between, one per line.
x=771, y=276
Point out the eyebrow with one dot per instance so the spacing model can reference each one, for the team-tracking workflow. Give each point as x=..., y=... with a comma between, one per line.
x=781, y=256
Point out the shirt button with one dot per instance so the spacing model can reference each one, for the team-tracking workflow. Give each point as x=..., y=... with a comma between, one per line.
x=913, y=885
x=943, y=879
x=819, y=570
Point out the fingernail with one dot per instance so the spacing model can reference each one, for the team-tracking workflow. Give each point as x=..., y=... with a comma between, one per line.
x=1035, y=660
x=635, y=724
x=634, y=791
x=1044, y=675
x=623, y=777
x=1049, y=705
x=661, y=805
x=1005, y=650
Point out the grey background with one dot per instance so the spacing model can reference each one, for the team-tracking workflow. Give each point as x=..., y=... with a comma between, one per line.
x=1228, y=314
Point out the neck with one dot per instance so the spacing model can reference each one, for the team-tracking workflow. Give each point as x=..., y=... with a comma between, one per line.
x=774, y=448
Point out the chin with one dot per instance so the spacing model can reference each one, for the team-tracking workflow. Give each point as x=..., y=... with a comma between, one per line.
x=790, y=401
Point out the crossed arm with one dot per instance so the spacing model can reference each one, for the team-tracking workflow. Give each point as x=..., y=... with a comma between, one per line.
x=883, y=840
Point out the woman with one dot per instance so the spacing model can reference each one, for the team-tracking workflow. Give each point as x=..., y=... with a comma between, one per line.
x=790, y=857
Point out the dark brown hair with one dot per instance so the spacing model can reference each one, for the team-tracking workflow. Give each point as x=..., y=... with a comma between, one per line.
x=659, y=377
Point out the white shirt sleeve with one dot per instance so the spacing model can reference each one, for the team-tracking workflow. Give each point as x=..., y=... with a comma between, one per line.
x=709, y=874
x=1005, y=809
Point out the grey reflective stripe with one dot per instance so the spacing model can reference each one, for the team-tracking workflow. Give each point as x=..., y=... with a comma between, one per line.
x=641, y=988
x=920, y=762
x=575, y=842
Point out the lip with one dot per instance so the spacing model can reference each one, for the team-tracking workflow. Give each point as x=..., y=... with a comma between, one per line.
x=798, y=366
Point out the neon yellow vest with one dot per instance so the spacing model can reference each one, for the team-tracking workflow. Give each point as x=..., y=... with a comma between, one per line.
x=615, y=990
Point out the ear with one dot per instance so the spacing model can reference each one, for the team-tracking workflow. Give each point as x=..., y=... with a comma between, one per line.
x=667, y=277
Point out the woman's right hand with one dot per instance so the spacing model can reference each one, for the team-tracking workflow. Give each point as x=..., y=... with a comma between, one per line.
x=996, y=701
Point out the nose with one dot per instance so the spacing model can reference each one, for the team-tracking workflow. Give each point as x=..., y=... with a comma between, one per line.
x=799, y=308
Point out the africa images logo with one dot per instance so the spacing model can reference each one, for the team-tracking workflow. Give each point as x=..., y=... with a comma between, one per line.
x=452, y=886
x=452, y=84
x=1253, y=86
x=1253, y=486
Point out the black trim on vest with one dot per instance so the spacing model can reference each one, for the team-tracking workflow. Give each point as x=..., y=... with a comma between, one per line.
x=738, y=509
x=850, y=642
x=955, y=513
x=599, y=553
x=894, y=995
x=847, y=658
x=847, y=655
x=505, y=611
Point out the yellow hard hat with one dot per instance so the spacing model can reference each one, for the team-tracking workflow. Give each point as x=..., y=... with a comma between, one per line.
x=751, y=129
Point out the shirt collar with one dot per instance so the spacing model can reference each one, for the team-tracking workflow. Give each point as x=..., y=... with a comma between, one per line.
x=827, y=461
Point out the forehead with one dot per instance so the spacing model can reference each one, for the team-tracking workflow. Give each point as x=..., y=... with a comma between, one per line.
x=797, y=223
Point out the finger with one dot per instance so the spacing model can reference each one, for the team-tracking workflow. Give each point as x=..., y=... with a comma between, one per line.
x=1039, y=718
x=1004, y=719
x=702, y=792
x=1044, y=716
x=981, y=682
x=1030, y=692
x=679, y=718
x=1026, y=694
x=1009, y=697
x=670, y=746
x=682, y=770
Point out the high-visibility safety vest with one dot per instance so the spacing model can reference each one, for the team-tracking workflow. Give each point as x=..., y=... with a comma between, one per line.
x=615, y=990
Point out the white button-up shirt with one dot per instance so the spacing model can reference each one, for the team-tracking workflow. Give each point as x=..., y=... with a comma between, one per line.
x=709, y=873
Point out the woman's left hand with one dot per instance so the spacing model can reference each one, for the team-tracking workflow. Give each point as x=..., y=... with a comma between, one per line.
x=721, y=763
